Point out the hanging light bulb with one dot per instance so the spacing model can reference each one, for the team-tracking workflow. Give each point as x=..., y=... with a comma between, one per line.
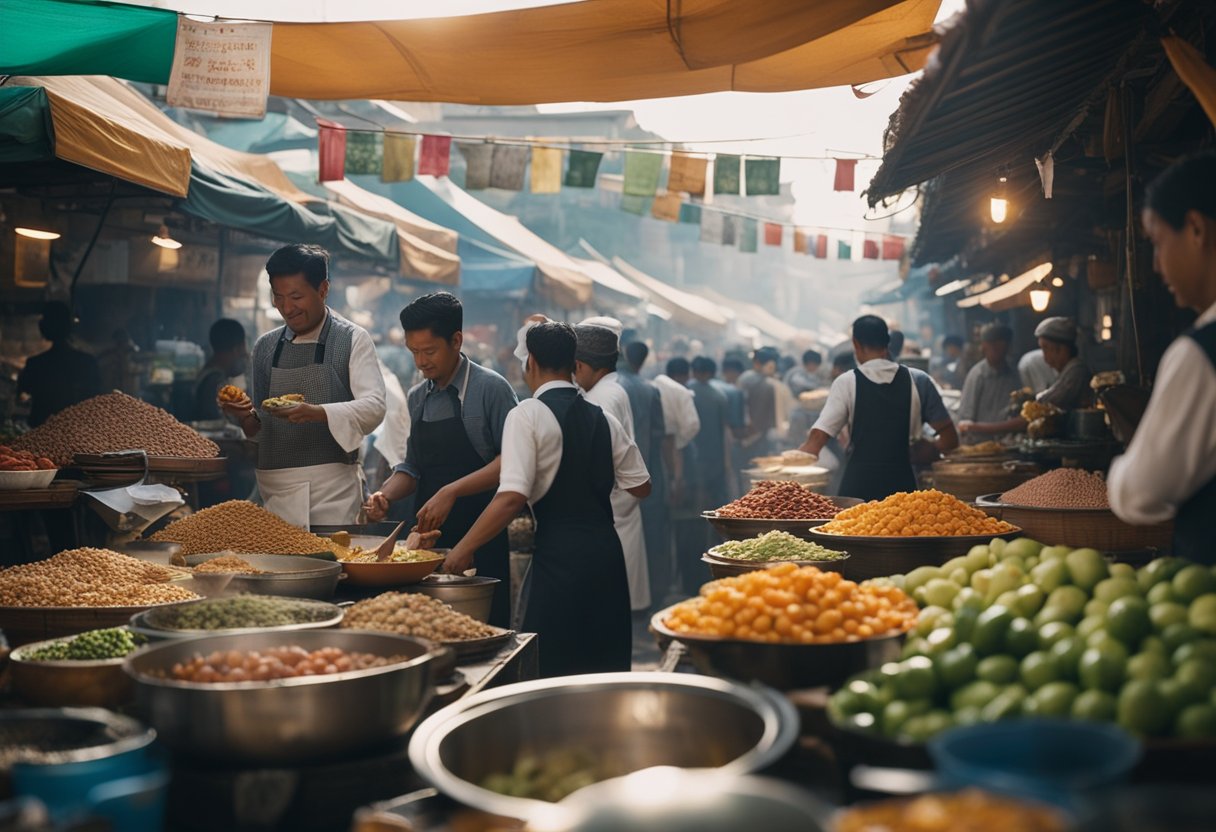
x=998, y=206
x=163, y=239
x=1058, y=282
x=38, y=233
x=1039, y=298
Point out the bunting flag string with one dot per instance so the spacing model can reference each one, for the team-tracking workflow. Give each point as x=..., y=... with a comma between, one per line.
x=331, y=151
x=583, y=169
x=398, y=158
x=546, y=171
x=772, y=233
x=726, y=174
x=478, y=160
x=434, y=157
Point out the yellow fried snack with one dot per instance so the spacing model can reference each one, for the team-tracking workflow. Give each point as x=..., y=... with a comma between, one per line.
x=279, y=402
x=915, y=513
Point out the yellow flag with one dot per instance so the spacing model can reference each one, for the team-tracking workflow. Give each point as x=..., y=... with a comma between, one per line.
x=546, y=176
x=666, y=207
x=398, y=158
x=687, y=173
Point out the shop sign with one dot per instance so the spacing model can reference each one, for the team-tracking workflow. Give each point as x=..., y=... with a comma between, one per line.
x=221, y=68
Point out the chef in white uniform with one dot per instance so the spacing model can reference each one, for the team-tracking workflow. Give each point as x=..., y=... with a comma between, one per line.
x=595, y=373
x=307, y=469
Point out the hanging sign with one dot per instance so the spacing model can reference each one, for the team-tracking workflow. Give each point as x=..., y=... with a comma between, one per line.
x=221, y=68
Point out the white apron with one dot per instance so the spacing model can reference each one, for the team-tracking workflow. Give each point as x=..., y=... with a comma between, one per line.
x=627, y=517
x=316, y=495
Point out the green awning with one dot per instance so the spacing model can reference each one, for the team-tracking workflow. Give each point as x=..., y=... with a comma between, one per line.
x=25, y=116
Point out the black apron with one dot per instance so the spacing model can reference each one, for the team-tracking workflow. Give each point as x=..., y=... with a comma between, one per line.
x=1195, y=523
x=577, y=590
x=880, y=465
x=445, y=455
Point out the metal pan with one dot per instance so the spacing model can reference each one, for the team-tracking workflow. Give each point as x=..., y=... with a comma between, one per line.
x=290, y=576
x=145, y=624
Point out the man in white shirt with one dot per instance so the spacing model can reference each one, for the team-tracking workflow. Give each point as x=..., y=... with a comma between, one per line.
x=598, y=349
x=1169, y=470
x=307, y=469
x=984, y=410
x=884, y=406
x=1036, y=373
x=563, y=456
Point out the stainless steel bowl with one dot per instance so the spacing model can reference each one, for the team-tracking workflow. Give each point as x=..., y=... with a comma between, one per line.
x=630, y=721
x=287, y=575
x=287, y=720
x=469, y=595
x=150, y=623
x=88, y=683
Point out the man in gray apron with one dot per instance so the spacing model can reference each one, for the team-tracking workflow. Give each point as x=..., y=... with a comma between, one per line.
x=307, y=468
x=563, y=455
x=452, y=457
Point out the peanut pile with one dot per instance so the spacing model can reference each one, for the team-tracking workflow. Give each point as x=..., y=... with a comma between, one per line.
x=412, y=614
x=90, y=578
x=229, y=565
x=1061, y=488
x=776, y=500
x=113, y=422
x=240, y=526
x=913, y=514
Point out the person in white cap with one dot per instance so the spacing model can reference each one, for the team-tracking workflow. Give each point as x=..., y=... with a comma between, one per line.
x=1058, y=340
x=595, y=358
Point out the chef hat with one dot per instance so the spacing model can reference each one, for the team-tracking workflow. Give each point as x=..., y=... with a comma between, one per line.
x=605, y=322
x=1063, y=330
x=596, y=344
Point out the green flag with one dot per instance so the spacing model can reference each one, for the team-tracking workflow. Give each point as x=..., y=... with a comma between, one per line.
x=642, y=172
x=749, y=237
x=364, y=152
x=583, y=169
x=844, y=251
x=763, y=177
x=634, y=204
x=726, y=174
x=690, y=213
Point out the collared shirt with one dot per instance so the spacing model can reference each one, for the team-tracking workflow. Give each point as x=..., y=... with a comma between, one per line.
x=350, y=422
x=1036, y=373
x=482, y=398
x=610, y=396
x=1173, y=453
x=532, y=449
x=679, y=410
x=839, y=409
x=986, y=392
x=1071, y=390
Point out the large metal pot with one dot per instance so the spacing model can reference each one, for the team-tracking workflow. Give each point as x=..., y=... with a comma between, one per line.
x=287, y=720
x=629, y=721
x=469, y=595
x=285, y=575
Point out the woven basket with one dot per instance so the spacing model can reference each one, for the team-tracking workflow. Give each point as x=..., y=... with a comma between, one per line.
x=877, y=557
x=968, y=480
x=1095, y=528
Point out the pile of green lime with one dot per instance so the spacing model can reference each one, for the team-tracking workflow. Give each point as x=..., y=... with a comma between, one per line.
x=1019, y=629
x=95, y=645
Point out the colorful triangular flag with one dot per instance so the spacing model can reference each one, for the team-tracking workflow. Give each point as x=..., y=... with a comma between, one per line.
x=398, y=158
x=845, y=170
x=546, y=173
x=331, y=151
x=726, y=174
x=642, y=171
x=763, y=177
x=478, y=160
x=434, y=159
x=772, y=233
x=582, y=169
x=687, y=173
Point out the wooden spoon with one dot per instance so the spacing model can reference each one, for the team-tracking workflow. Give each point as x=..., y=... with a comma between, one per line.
x=385, y=550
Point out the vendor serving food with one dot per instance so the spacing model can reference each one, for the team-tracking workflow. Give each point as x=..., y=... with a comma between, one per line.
x=307, y=467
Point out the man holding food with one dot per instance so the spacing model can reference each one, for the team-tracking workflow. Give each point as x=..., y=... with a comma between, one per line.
x=452, y=457
x=563, y=456
x=321, y=394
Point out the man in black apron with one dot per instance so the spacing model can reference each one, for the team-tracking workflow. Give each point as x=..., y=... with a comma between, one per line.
x=1169, y=470
x=452, y=456
x=883, y=404
x=563, y=455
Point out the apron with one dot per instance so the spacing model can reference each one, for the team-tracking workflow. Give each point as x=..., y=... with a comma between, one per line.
x=303, y=475
x=1194, y=524
x=880, y=465
x=445, y=454
x=576, y=588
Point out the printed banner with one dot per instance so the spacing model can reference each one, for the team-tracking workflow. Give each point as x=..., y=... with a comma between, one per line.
x=331, y=151
x=221, y=68
x=398, y=158
x=687, y=174
x=477, y=162
x=642, y=172
x=726, y=174
x=583, y=169
x=434, y=159
x=546, y=173
x=763, y=177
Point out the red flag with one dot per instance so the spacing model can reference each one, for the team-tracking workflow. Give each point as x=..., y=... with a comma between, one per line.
x=331, y=150
x=892, y=247
x=845, y=168
x=435, y=157
x=821, y=246
x=772, y=234
x=869, y=249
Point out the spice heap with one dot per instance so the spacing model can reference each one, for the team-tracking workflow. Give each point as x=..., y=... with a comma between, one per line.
x=241, y=612
x=95, y=645
x=775, y=545
x=915, y=513
x=240, y=526
x=229, y=565
x=778, y=500
x=1061, y=488
x=113, y=422
x=966, y=811
x=785, y=603
x=412, y=614
x=90, y=578
x=274, y=663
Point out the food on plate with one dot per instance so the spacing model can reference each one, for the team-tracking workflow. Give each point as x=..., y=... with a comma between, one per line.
x=915, y=513
x=1018, y=629
x=1060, y=488
x=282, y=402
x=778, y=500
x=229, y=565
x=785, y=603
x=286, y=662
x=413, y=614
x=970, y=810
x=95, y=645
x=232, y=394
x=240, y=526
x=982, y=448
x=90, y=578
x=400, y=554
x=11, y=460
x=775, y=545
x=238, y=612
x=551, y=776
x=113, y=422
